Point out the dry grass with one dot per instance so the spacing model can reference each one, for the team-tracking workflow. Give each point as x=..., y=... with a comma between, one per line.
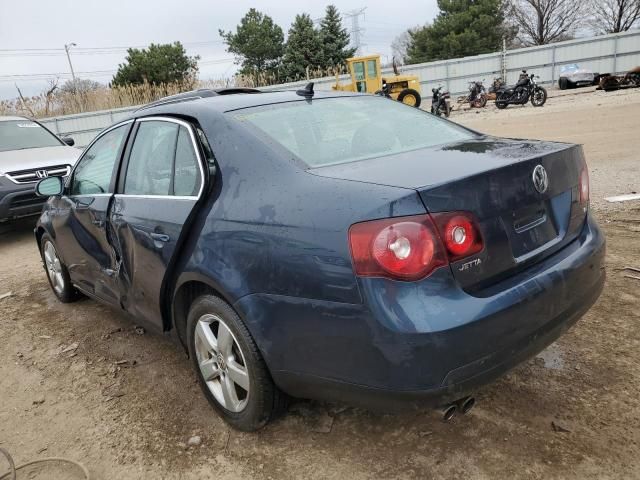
x=53, y=102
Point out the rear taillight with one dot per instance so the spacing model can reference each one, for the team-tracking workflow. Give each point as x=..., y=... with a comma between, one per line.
x=411, y=248
x=403, y=248
x=584, y=186
x=459, y=233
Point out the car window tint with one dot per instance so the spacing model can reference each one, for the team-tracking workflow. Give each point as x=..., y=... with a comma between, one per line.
x=95, y=169
x=150, y=168
x=344, y=129
x=186, y=180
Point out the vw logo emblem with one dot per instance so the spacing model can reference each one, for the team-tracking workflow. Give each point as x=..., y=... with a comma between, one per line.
x=540, y=179
x=42, y=173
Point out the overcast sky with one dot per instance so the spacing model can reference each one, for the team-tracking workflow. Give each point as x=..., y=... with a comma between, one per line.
x=93, y=24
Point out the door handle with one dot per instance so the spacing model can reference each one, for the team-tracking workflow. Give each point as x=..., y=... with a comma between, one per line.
x=98, y=223
x=160, y=237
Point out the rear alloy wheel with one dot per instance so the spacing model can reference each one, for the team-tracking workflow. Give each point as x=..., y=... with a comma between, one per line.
x=230, y=369
x=57, y=272
x=222, y=363
x=410, y=97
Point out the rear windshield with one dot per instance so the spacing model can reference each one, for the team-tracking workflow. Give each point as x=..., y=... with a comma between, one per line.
x=21, y=134
x=330, y=131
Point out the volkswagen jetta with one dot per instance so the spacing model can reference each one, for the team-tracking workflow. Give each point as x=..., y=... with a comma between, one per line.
x=325, y=245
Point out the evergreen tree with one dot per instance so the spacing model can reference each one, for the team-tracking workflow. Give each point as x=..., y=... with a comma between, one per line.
x=462, y=28
x=157, y=64
x=335, y=39
x=258, y=44
x=303, y=49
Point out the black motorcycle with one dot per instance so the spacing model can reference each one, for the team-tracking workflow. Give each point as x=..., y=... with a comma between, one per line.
x=440, y=102
x=519, y=94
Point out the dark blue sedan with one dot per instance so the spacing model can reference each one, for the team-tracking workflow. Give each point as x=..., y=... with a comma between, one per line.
x=324, y=245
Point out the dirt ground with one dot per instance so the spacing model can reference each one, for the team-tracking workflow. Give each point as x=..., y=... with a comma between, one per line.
x=572, y=412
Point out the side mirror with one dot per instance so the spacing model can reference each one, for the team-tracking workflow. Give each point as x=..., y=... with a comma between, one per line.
x=49, y=187
x=69, y=141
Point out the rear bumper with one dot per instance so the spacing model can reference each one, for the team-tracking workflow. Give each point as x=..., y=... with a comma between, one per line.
x=18, y=200
x=425, y=342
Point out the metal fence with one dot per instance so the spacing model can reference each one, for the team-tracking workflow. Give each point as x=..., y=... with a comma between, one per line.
x=613, y=53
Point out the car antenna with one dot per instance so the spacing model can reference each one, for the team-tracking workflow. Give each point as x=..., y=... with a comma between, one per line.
x=307, y=91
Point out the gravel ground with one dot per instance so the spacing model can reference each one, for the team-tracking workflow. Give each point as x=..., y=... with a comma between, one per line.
x=78, y=381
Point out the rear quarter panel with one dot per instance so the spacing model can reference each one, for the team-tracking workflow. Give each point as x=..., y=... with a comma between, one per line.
x=270, y=227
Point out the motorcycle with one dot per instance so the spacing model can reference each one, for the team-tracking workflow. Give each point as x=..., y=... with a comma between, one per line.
x=440, y=102
x=526, y=89
x=477, y=96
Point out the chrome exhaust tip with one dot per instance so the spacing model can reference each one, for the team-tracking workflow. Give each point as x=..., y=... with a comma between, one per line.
x=449, y=411
x=466, y=404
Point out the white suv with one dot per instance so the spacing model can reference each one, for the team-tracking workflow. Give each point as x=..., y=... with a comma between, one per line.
x=29, y=152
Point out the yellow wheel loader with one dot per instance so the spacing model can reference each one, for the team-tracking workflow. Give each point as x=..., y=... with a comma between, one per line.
x=366, y=77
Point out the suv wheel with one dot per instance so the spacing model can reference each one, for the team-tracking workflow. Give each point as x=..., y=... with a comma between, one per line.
x=230, y=369
x=57, y=272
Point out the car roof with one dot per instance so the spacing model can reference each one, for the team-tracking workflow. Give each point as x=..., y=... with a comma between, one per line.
x=10, y=118
x=225, y=103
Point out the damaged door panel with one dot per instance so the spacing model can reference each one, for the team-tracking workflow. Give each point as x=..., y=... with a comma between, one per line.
x=161, y=182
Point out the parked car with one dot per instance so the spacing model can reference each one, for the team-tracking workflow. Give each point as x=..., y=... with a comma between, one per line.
x=327, y=245
x=572, y=76
x=29, y=152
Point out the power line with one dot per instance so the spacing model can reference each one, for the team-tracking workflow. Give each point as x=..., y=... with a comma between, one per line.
x=91, y=50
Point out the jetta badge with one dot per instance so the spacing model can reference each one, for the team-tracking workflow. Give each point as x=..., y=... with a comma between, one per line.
x=540, y=179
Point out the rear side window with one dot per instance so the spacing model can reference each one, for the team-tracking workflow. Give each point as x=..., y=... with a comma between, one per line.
x=163, y=161
x=186, y=180
x=95, y=169
x=150, y=165
x=330, y=131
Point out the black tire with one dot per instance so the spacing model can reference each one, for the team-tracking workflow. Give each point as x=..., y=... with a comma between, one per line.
x=435, y=111
x=264, y=401
x=563, y=83
x=407, y=92
x=501, y=103
x=539, y=102
x=447, y=109
x=66, y=293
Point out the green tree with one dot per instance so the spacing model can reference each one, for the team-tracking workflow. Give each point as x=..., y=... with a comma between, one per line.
x=303, y=49
x=462, y=28
x=335, y=39
x=167, y=63
x=258, y=45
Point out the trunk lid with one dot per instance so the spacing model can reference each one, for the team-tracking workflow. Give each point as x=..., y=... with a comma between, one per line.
x=493, y=179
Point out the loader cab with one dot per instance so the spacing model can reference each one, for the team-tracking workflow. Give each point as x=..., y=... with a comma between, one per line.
x=365, y=73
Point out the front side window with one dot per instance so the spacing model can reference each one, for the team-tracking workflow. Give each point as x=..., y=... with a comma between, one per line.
x=23, y=134
x=163, y=161
x=95, y=169
x=336, y=130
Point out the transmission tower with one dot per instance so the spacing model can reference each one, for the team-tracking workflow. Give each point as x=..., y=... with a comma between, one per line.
x=356, y=31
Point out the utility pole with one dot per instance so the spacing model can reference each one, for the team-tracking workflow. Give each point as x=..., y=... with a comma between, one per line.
x=356, y=31
x=504, y=59
x=67, y=47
